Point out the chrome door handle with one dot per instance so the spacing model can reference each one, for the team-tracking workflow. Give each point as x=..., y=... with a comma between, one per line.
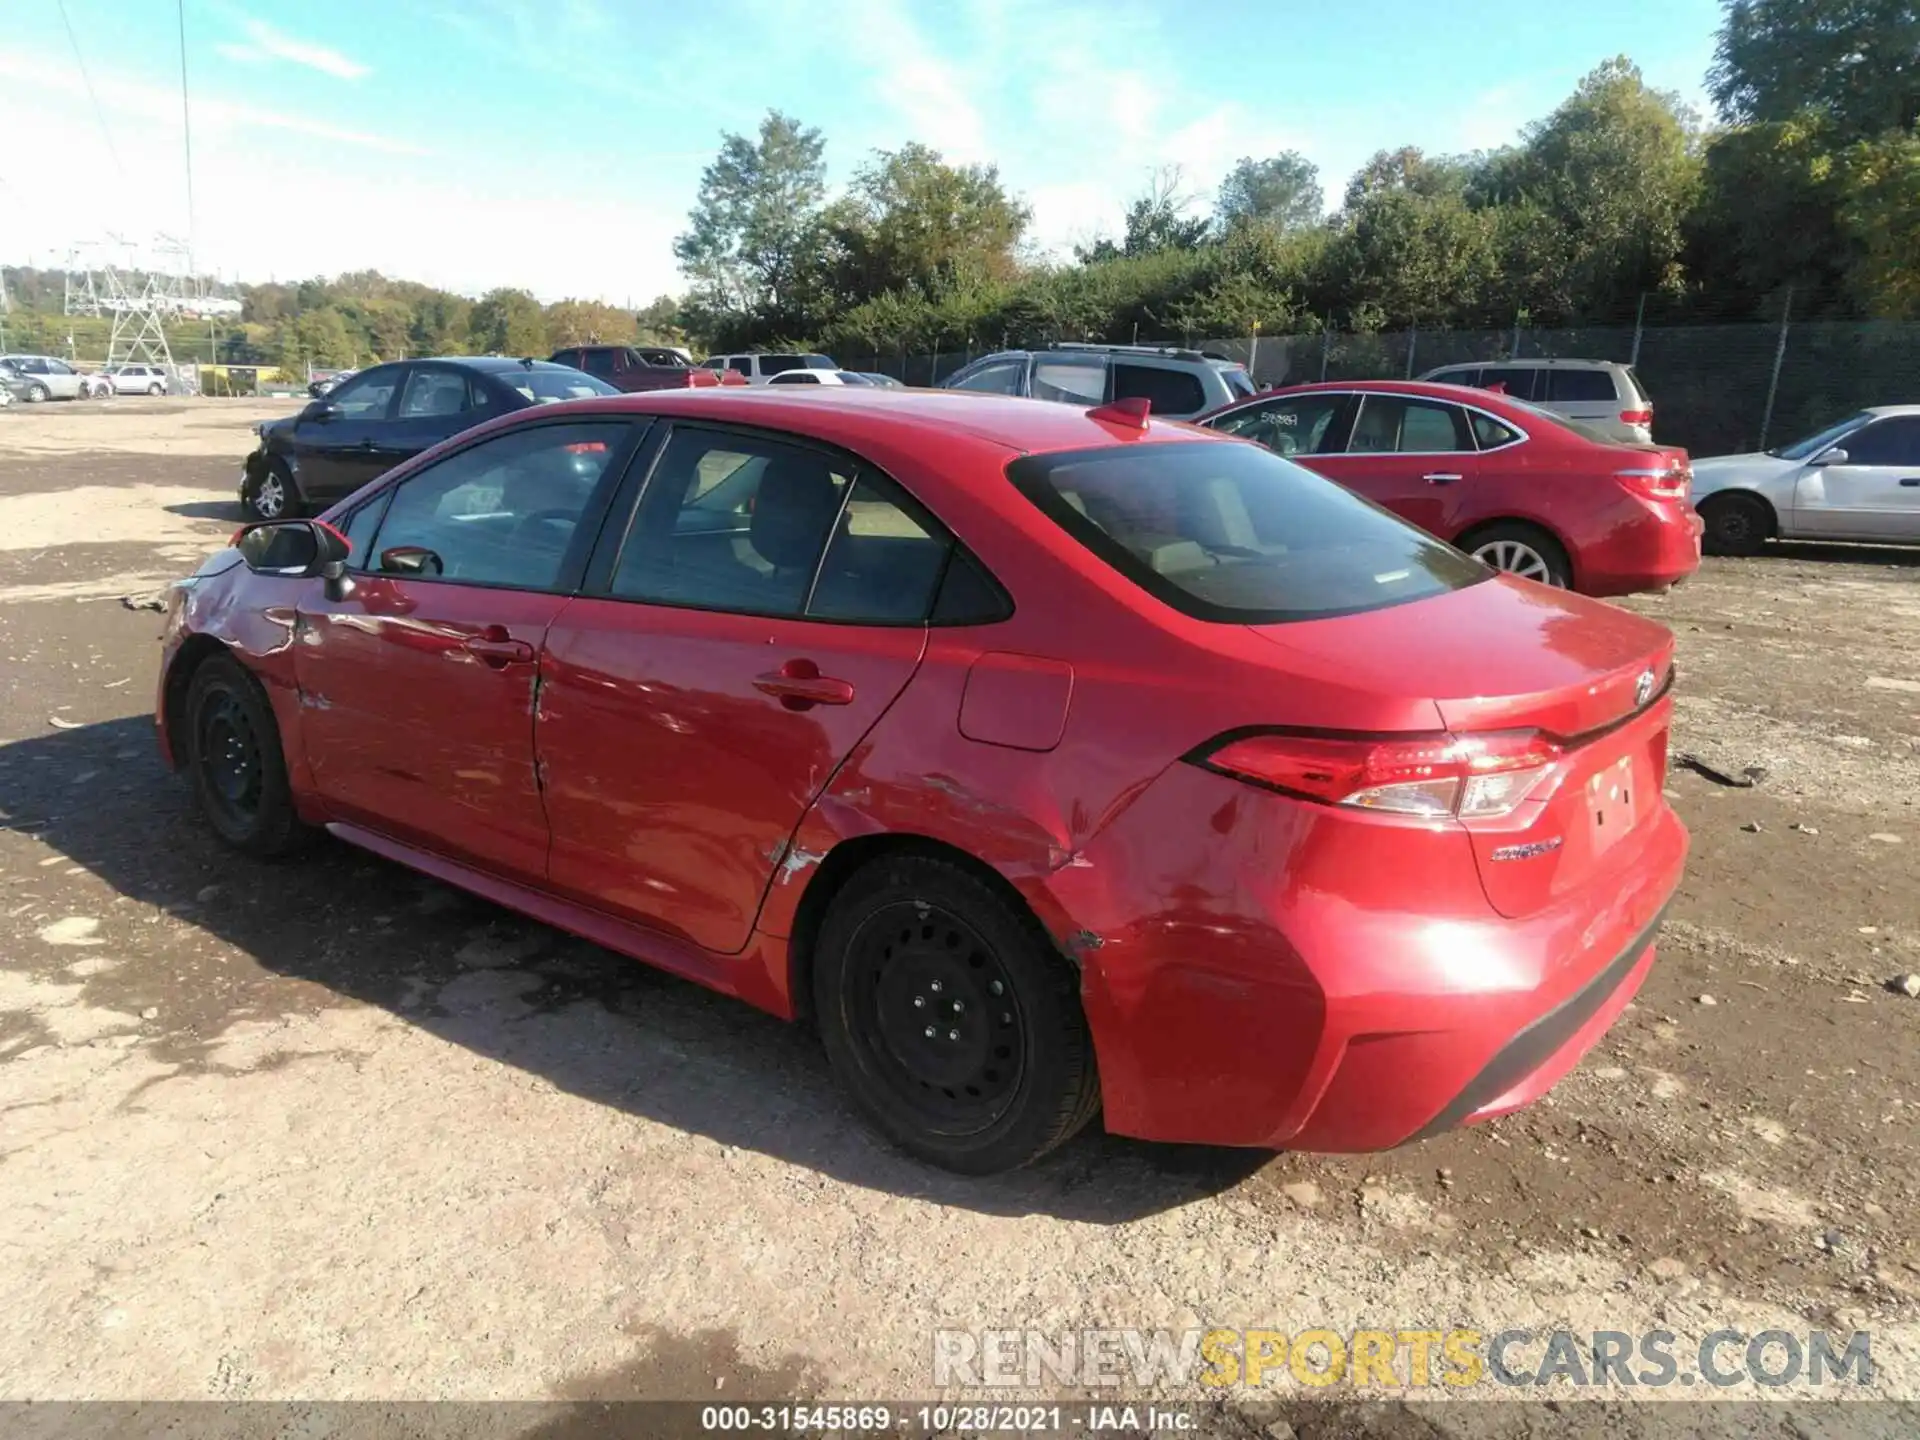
x=1442, y=477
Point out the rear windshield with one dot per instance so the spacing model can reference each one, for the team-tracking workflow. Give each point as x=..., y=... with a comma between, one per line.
x=547, y=387
x=1565, y=422
x=1233, y=533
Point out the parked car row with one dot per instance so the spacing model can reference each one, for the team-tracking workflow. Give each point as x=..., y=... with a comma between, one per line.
x=987, y=736
x=36, y=378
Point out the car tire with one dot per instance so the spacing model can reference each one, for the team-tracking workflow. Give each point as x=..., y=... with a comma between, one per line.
x=1523, y=550
x=1736, y=524
x=38, y=393
x=271, y=495
x=238, y=769
x=1007, y=1073
x=156, y=389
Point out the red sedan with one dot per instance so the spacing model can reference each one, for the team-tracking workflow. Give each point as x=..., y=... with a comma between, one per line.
x=1523, y=489
x=1050, y=761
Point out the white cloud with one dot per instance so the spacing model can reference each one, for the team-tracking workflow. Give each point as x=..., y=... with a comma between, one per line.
x=268, y=43
x=931, y=98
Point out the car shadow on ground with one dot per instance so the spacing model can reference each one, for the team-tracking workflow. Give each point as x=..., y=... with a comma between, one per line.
x=209, y=510
x=1836, y=552
x=592, y=1023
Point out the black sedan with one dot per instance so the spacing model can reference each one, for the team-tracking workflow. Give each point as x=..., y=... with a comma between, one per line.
x=385, y=414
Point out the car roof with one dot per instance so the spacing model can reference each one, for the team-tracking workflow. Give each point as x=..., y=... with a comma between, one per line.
x=1432, y=389
x=861, y=414
x=1883, y=411
x=489, y=364
x=1540, y=364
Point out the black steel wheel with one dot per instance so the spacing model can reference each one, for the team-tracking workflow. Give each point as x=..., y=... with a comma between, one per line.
x=949, y=1019
x=232, y=752
x=1737, y=524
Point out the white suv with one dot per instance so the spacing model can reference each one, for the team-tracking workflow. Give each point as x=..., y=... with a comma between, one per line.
x=759, y=369
x=138, y=380
x=1602, y=395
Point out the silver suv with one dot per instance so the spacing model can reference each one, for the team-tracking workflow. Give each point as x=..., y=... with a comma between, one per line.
x=1178, y=384
x=1603, y=395
x=49, y=377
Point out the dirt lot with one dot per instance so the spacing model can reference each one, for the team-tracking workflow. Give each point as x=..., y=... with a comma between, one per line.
x=331, y=1131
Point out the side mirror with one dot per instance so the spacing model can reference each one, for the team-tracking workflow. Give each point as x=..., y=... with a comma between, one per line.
x=301, y=549
x=320, y=412
x=1835, y=456
x=410, y=560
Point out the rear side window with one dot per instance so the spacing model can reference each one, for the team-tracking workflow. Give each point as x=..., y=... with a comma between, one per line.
x=1167, y=392
x=1235, y=534
x=1459, y=375
x=741, y=364
x=1077, y=382
x=884, y=561
x=1579, y=385
x=1490, y=433
x=1393, y=423
x=1238, y=381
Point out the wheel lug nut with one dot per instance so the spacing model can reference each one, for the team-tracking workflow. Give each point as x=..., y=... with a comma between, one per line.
x=953, y=1034
x=958, y=1007
x=929, y=1032
x=996, y=988
x=919, y=1002
x=935, y=987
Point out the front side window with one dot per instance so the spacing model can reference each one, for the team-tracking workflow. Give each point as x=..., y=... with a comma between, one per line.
x=731, y=522
x=597, y=363
x=1397, y=424
x=431, y=392
x=1000, y=378
x=1238, y=380
x=1235, y=534
x=1077, y=382
x=1167, y=392
x=1894, y=441
x=1297, y=425
x=367, y=395
x=504, y=512
x=1514, y=380
x=1806, y=449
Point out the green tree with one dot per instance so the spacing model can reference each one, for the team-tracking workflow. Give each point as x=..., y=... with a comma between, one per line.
x=1160, y=219
x=509, y=322
x=1880, y=212
x=1857, y=62
x=753, y=235
x=1281, y=192
x=580, y=322
x=1408, y=170
x=911, y=221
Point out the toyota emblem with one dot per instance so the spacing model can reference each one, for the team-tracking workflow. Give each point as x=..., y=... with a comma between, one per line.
x=1643, y=688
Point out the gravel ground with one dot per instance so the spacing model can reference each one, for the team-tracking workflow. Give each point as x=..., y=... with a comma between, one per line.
x=330, y=1131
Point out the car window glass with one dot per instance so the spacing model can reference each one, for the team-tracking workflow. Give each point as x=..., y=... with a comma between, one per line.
x=1238, y=380
x=431, y=391
x=59, y=367
x=1234, y=534
x=774, y=364
x=360, y=528
x=1294, y=426
x=795, y=377
x=731, y=522
x=1396, y=424
x=366, y=395
x=504, y=511
x=1579, y=385
x=1459, y=375
x=1000, y=379
x=1167, y=392
x=598, y=363
x=1886, y=442
x=1075, y=381
x=883, y=563
x=1490, y=433
x=741, y=363
x=1514, y=380
x=549, y=386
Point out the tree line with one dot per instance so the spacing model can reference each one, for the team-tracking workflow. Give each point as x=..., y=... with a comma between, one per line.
x=1620, y=204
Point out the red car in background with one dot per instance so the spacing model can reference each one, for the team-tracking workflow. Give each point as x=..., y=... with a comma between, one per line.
x=1049, y=761
x=1522, y=488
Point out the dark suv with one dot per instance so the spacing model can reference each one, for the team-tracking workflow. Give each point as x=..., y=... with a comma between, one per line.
x=1179, y=384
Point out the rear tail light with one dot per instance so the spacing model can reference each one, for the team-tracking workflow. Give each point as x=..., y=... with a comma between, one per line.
x=1636, y=417
x=1671, y=483
x=1432, y=777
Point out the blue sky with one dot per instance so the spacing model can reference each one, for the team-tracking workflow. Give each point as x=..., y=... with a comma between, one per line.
x=557, y=144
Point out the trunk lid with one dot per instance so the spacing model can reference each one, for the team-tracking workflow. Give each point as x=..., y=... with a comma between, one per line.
x=1509, y=655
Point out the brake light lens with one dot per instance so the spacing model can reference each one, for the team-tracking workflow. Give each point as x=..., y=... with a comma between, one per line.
x=1671, y=483
x=1428, y=777
x=1636, y=417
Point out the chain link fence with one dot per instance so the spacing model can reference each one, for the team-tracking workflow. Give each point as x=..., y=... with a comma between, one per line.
x=1716, y=389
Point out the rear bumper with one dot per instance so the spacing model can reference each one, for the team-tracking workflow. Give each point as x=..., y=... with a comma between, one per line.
x=1317, y=984
x=1652, y=547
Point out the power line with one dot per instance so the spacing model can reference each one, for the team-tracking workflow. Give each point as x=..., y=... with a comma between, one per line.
x=105, y=134
x=186, y=127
